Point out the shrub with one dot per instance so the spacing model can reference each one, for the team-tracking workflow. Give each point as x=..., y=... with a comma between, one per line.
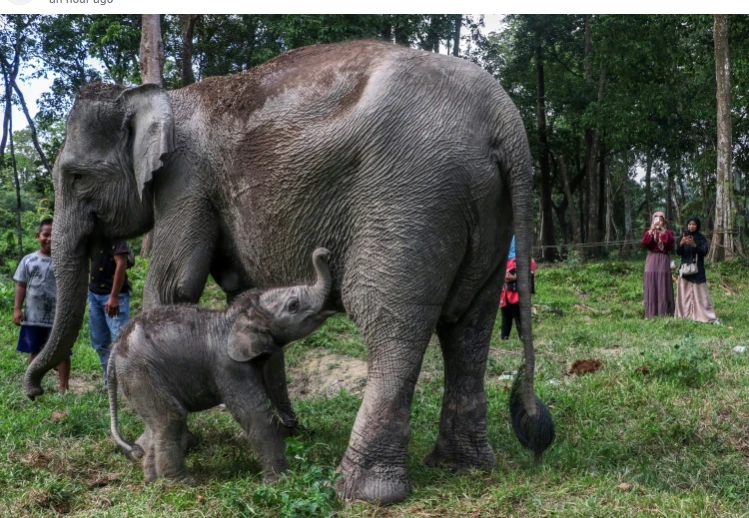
x=307, y=489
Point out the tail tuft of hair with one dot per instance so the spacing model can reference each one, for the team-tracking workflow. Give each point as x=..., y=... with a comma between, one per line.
x=535, y=432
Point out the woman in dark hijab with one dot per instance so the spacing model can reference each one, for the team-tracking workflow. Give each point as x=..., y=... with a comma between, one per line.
x=692, y=299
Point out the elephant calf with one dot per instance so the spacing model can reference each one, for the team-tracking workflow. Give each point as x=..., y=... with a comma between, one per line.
x=172, y=360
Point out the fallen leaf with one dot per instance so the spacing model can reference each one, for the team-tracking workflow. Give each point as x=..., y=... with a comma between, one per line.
x=625, y=487
x=200, y=499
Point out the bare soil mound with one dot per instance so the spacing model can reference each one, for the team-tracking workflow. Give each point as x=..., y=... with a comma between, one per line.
x=581, y=367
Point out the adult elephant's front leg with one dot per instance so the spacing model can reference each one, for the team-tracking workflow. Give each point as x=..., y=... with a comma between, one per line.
x=374, y=466
x=181, y=255
x=183, y=246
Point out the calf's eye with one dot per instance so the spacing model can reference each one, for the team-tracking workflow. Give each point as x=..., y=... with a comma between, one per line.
x=293, y=306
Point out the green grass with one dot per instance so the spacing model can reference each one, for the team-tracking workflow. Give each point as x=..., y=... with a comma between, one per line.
x=671, y=442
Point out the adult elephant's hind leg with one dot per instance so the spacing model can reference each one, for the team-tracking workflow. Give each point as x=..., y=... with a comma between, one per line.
x=374, y=466
x=462, y=441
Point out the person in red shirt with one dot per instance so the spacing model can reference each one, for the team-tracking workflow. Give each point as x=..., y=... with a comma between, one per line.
x=509, y=300
x=657, y=284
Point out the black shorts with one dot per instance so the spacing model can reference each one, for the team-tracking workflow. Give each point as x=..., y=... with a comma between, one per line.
x=32, y=339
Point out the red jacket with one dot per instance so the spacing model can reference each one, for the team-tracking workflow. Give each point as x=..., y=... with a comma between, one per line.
x=512, y=297
x=661, y=243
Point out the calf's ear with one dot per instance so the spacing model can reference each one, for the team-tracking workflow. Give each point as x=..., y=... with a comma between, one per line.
x=248, y=342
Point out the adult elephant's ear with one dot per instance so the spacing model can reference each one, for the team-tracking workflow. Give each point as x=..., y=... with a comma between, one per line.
x=247, y=341
x=150, y=122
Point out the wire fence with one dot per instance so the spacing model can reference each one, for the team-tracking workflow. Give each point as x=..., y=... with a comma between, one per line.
x=621, y=244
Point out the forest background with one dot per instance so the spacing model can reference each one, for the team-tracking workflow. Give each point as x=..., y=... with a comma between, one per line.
x=622, y=111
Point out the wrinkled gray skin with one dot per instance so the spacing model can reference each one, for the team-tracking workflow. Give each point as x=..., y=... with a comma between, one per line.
x=172, y=360
x=411, y=167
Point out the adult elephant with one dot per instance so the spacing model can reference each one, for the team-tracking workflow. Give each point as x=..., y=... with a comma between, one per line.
x=412, y=168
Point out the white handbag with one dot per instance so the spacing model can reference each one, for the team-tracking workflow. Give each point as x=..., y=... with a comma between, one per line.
x=688, y=269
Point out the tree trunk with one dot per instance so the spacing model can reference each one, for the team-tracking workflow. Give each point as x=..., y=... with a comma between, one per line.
x=593, y=181
x=708, y=225
x=151, y=50
x=674, y=202
x=547, y=230
x=588, y=49
x=602, y=196
x=9, y=76
x=576, y=233
x=32, y=128
x=458, y=20
x=670, y=195
x=725, y=244
x=581, y=212
x=609, y=216
x=648, y=194
x=628, y=233
x=187, y=28
x=434, y=34
x=402, y=34
x=6, y=121
x=151, y=71
x=562, y=218
x=386, y=28
x=17, y=182
x=589, y=132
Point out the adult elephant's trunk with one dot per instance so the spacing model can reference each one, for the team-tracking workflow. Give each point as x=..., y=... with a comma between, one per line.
x=531, y=419
x=71, y=230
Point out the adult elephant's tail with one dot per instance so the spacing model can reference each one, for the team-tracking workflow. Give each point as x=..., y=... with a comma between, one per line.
x=531, y=420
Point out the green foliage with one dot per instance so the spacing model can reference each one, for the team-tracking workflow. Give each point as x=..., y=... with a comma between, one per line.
x=34, y=209
x=686, y=363
x=574, y=259
x=307, y=490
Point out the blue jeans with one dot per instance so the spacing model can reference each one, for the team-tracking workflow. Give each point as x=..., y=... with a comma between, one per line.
x=103, y=328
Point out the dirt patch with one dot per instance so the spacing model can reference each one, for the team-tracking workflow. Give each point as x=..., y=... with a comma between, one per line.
x=35, y=458
x=58, y=416
x=100, y=478
x=323, y=373
x=581, y=367
x=55, y=503
x=81, y=386
x=614, y=350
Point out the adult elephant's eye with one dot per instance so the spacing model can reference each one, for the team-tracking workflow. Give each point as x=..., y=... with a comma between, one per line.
x=293, y=306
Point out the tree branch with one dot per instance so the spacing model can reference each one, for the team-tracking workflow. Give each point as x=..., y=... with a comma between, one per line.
x=32, y=127
x=9, y=75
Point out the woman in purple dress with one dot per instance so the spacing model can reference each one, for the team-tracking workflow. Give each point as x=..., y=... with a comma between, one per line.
x=657, y=284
